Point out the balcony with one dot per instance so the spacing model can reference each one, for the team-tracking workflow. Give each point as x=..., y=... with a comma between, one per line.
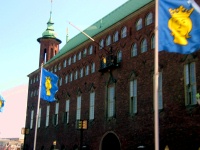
x=109, y=63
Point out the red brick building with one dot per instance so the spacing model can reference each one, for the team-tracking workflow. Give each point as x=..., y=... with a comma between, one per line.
x=109, y=83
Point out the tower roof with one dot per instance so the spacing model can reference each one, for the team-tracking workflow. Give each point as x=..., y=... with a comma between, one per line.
x=49, y=32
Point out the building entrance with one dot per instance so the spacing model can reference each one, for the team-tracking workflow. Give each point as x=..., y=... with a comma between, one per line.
x=110, y=142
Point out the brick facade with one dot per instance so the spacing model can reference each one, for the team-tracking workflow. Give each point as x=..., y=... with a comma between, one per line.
x=179, y=123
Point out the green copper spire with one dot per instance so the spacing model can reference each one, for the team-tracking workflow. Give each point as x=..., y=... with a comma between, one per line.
x=49, y=32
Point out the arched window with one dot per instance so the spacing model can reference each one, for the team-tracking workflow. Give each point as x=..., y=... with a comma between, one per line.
x=108, y=40
x=87, y=70
x=119, y=56
x=60, y=81
x=153, y=42
x=139, y=24
x=74, y=58
x=85, y=52
x=55, y=68
x=90, y=49
x=79, y=56
x=81, y=72
x=144, y=46
x=69, y=61
x=101, y=44
x=134, y=50
x=124, y=32
x=76, y=75
x=64, y=63
x=59, y=66
x=149, y=19
x=93, y=68
x=71, y=77
x=116, y=36
x=66, y=79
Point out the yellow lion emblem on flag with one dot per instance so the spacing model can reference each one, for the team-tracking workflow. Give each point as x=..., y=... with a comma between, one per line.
x=48, y=86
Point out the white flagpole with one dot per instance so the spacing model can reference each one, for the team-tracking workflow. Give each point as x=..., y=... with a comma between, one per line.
x=156, y=75
x=38, y=107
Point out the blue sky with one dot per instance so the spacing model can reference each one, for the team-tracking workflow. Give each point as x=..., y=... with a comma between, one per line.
x=22, y=22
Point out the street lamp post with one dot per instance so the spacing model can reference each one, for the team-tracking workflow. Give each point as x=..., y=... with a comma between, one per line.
x=82, y=125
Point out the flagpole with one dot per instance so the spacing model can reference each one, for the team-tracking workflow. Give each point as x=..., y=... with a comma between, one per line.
x=156, y=75
x=38, y=106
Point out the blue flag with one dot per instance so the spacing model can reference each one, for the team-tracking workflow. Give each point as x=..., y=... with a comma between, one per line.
x=178, y=27
x=2, y=102
x=48, y=85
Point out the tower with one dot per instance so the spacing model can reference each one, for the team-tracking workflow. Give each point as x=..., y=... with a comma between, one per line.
x=49, y=44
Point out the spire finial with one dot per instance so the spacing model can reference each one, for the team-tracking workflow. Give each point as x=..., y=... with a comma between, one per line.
x=51, y=5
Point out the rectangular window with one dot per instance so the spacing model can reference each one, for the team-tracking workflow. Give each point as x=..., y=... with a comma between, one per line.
x=66, y=115
x=190, y=84
x=93, y=68
x=160, y=97
x=111, y=101
x=31, y=123
x=78, y=108
x=133, y=96
x=47, y=116
x=55, y=118
x=39, y=117
x=92, y=99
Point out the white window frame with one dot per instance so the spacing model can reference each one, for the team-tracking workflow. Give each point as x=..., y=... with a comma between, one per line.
x=39, y=118
x=81, y=72
x=67, y=110
x=190, y=83
x=149, y=19
x=111, y=101
x=139, y=24
x=116, y=36
x=101, y=44
x=144, y=45
x=119, y=56
x=90, y=49
x=56, y=114
x=79, y=55
x=78, y=108
x=64, y=63
x=69, y=61
x=47, y=116
x=124, y=32
x=87, y=70
x=134, y=50
x=92, y=105
x=133, y=96
x=66, y=79
x=31, y=121
x=93, y=67
x=108, y=40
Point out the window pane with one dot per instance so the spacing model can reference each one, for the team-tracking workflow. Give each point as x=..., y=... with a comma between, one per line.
x=134, y=50
x=144, y=46
x=139, y=24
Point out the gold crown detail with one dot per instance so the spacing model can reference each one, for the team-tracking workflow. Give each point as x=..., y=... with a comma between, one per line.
x=48, y=78
x=180, y=12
